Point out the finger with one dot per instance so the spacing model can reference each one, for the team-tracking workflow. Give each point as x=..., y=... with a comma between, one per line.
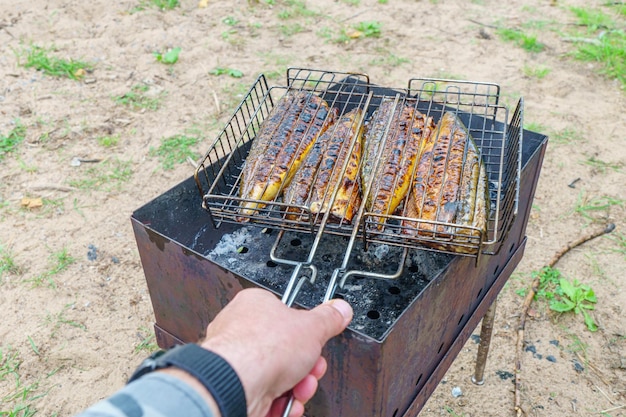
x=319, y=369
x=305, y=389
x=297, y=409
x=334, y=316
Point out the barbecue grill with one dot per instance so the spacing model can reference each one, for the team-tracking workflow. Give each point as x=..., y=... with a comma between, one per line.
x=416, y=298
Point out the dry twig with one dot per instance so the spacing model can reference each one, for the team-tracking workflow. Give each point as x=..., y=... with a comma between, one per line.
x=534, y=286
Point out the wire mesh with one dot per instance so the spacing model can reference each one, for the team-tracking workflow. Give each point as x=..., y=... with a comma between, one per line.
x=219, y=174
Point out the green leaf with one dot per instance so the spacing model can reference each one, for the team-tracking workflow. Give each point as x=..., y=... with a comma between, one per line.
x=568, y=288
x=562, y=306
x=590, y=296
x=589, y=322
x=235, y=73
x=170, y=57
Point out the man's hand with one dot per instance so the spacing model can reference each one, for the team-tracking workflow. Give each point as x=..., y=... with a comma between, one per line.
x=274, y=348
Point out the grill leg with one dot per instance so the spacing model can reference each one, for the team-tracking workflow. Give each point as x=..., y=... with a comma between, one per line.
x=485, y=341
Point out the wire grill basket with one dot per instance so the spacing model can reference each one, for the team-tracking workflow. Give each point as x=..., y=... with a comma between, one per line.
x=218, y=175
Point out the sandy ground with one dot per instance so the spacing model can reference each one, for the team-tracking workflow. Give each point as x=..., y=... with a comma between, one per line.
x=78, y=332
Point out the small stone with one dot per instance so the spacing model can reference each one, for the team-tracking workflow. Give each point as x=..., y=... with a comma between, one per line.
x=90, y=81
x=551, y=358
x=457, y=392
x=578, y=367
x=92, y=253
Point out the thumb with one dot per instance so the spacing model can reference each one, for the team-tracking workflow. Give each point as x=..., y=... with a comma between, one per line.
x=334, y=316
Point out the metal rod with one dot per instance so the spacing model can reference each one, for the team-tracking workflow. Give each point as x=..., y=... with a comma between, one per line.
x=486, y=331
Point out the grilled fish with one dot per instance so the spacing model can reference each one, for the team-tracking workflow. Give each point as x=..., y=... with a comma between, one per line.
x=450, y=183
x=400, y=130
x=332, y=158
x=283, y=141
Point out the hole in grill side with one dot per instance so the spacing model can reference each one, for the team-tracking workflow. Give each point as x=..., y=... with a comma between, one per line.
x=419, y=379
x=440, y=347
x=271, y=264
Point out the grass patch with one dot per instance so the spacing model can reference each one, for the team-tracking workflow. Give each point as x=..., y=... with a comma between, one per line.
x=41, y=59
x=158, y=4
x=17, y=398
x=527, y=42
x=175, y=150
x=603, y=41
x=602, y=166
x=57, y=320
x=295, y=9
x=388, y=58
x=7, y=263
x=235, y=73
x=148, y=341
x=10, y=141
x=595, y=208
x=108, y=141
x=536, y=72
x=139, y=97
x=566, y=136
x=59, y=261
x=108, y=175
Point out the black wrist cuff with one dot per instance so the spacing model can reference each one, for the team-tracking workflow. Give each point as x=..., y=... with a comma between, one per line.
x=217, y=376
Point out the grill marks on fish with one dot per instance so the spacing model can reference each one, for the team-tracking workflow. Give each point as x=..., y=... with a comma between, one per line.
x=335, y=152
x=283, y=141
x=450, y=183
x=391, y=168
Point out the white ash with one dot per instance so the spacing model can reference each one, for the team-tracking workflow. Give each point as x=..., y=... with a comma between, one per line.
x=231, y=242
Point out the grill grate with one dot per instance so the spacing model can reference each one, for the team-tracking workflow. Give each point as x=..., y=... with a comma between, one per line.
x=218, y=176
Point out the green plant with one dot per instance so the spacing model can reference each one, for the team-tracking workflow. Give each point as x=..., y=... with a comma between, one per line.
x=20, y=397
x=620, y=241
x=230, y=21
x=566, y=136
x=527, y=42
x=170, y=57
x=107, y=175
x=10, y=141
x=175, y=150
x=369, y=29
x=604, y=42
x=578, y=298
x=290, y=30
x=147, y=343
x=59, y=319
x=587, y=207
x=564, y=296
x=108, y=141
x=159, y=4
x=40, y=59
x=548, y=283
x=602, y=166
x=7, y=263
x=536, y=72
x=138, y=98
x=60, y=261
x=295, y=9
x=235, y=73
x=387, y=58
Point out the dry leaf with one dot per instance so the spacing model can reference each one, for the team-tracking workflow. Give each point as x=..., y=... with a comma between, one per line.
x=79, y=73
x=353, y=33
x=203, y=3
x=31, y=203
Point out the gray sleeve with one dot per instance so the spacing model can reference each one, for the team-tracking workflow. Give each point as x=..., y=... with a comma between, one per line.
x=153, y=395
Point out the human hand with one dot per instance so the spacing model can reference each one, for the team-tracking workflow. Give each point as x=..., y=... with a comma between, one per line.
x=274, y=348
